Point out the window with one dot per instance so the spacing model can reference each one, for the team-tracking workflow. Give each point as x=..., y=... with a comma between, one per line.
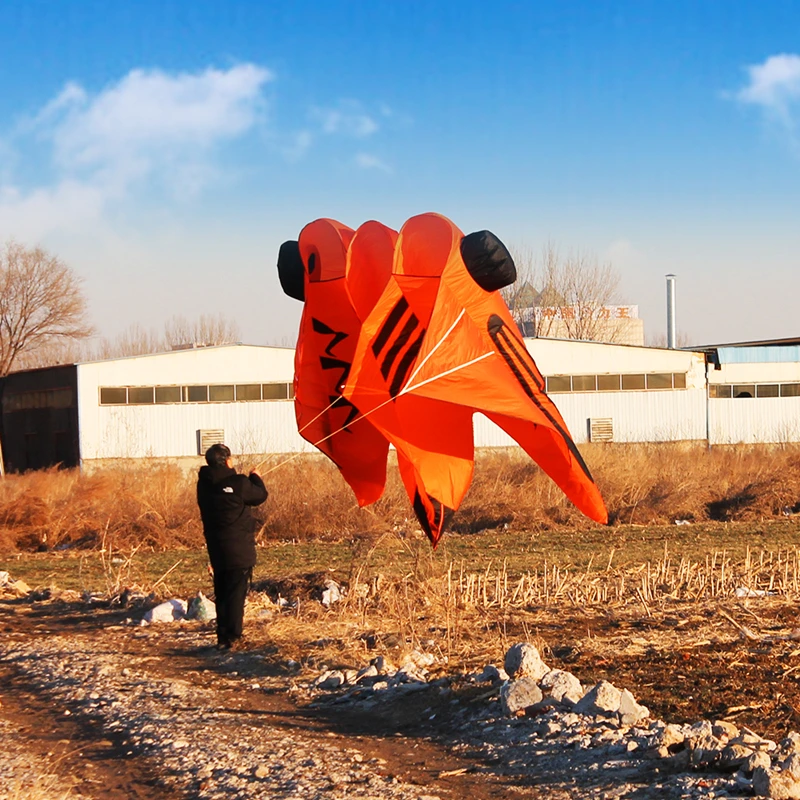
x=719, y=390
x=744, y=390
x=678, y=380
x=197, y=394
x=608, y=383
x=248, y=391
x=767, y=390
x=790, y=390
x=140, y=395
x=584, y=383
x=220, y=394
x=659, y=380
x=559, y=383
x=630, y=382
x=113, y=396
x=168, y=394
x=147, y=395
x=276, y=391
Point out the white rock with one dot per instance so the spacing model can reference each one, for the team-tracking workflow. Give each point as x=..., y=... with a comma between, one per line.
x=330, y=679
x=367, y=672
x=421, y=659
x=790, y=744
x=630, y=712
x=4, y=578
x=518, y=695
x=776, y=784
x=383, y=666
x=169, y=611
x=561, y=685
x=603, y=698
x=756, y=760
x=523, y=661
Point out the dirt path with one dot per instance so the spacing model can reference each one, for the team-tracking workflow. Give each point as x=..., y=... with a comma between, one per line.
x=92, y=706
x=78, y=739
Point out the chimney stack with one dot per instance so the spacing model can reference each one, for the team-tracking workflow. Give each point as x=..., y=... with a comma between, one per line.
x=671, y=334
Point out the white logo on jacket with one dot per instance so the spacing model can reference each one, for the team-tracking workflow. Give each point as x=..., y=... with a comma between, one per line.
x=228, y=489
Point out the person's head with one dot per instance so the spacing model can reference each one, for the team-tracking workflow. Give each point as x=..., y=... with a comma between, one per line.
x=218, y=455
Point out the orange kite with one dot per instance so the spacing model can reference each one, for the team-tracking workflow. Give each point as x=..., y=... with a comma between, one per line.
x=429, y=342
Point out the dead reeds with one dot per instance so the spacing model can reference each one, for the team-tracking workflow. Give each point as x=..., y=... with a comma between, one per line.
x=152, y=504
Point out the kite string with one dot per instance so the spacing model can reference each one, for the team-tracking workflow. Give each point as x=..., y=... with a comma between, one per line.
x=436, y=346
x=405, y=390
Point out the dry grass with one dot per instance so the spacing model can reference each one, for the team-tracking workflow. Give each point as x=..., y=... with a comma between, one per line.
x=153, y=505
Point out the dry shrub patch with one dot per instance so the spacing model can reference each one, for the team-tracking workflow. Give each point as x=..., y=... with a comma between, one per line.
x=152, y=504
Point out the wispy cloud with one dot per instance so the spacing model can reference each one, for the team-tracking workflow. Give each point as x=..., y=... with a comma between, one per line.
x=774, y=87
x=348, y=118
x=369, y=161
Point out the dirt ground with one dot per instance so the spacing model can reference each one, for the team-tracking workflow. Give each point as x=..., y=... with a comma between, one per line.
x=738, y=661
x=85, y=761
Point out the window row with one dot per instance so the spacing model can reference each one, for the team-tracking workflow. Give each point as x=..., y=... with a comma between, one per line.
x=754, y=390
x=616, y=383
x=205, y=393
x=41, y=398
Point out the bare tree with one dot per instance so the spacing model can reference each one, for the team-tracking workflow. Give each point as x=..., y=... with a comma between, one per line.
x=205, y=330
x=41, y=303
x=568, y=297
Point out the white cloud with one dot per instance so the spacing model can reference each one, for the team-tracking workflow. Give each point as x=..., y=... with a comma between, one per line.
x=150, y=111
x=368, y=161
x=150, y=125
x=69, y=206
x=774, y=85
x=346, y=119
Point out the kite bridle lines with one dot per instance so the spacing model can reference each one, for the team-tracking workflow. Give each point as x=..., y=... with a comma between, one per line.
x=405, y=390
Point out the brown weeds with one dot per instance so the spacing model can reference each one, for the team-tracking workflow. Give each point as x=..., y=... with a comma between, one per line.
x=152, y=505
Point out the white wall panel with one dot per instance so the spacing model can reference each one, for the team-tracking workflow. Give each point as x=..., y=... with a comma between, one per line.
x=656, y=416
x=754, y=419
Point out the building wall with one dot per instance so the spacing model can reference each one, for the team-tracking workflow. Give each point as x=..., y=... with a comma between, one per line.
x=39, y=419
x=637, y=416
x=746, y=417
x=171, y=429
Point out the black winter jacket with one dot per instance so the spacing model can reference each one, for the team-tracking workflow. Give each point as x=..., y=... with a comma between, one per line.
x=224, y=497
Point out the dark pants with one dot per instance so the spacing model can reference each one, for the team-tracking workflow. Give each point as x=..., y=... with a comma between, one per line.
x=230, y=590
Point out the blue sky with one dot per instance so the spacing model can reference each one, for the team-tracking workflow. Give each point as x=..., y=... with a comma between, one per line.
x=165, y=149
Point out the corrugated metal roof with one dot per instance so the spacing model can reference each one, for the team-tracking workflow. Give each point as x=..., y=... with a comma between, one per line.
x=758, y=355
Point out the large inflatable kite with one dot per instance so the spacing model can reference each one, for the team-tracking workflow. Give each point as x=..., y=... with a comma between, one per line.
x=404, y=336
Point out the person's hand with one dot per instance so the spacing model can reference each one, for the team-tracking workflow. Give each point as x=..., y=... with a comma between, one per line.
x=255, y=472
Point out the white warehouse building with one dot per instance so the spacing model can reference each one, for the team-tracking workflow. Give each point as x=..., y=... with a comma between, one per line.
x=173, y=405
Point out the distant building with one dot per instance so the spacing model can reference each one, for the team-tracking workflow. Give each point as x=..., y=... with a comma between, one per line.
x=174, y=405
x=547, y=314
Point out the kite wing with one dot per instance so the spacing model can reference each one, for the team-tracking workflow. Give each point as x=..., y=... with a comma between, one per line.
x=439, y=345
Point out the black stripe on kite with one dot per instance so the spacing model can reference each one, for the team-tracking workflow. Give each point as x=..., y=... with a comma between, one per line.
x=507, y=345
x=399, y=343
x=388, y=327
x=337, y=363
x=337, y=336
x=405, y=364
